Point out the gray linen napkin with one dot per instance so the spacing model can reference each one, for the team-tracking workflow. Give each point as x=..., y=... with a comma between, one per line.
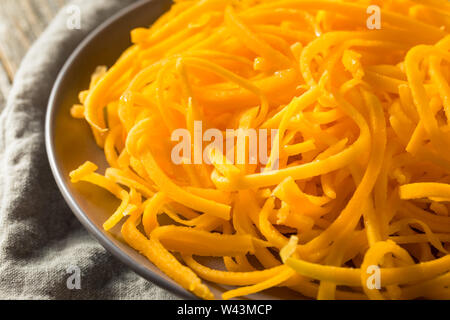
x=41, y=242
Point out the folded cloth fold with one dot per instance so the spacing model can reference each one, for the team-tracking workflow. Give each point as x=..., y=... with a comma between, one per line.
x=43, y=247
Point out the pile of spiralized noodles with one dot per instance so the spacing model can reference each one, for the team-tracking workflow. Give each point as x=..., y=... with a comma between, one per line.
x=363, y=132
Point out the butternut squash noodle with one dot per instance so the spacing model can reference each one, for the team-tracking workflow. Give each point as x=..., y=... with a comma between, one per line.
x=363, y=174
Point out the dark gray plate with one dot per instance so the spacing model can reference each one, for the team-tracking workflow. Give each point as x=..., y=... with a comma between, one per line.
x=70, y=143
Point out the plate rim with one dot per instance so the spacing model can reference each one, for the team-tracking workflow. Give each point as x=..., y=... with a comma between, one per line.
x=51, y=111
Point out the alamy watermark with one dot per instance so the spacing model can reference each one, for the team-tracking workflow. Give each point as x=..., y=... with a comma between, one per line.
x=374, y=280
x=73, y=21
x=242, y=146
x=374, y=20
x=73, y=282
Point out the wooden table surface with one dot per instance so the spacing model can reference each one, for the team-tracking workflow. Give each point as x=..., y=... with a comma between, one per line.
x=21, y=22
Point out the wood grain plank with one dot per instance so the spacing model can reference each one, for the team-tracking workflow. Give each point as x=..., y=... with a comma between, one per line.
x=21, y=23
x=6, y=65
x=56, y=5
x=5, y=87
